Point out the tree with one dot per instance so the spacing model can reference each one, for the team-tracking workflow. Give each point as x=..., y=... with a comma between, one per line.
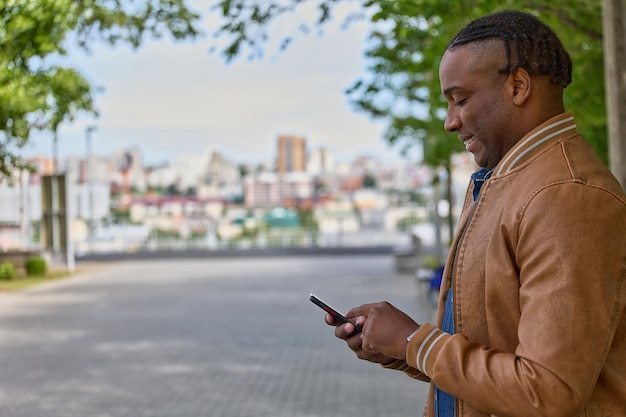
x=369, y=181
x=36, y=92
x=615, y=59
x=172, y=190
x=407, y=40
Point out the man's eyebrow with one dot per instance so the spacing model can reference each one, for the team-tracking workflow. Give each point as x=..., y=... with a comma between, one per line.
x=450, y=90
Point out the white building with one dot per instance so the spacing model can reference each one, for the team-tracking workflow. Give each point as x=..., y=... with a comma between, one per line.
x=321, y=161
x=144, y=210
x=95, y=169
x=89, y=201
x=23, y=201
x=270, y=189
x=185, y=171
x=208, y=172
x=20, y=202
x=222, y=179
x=21, y=206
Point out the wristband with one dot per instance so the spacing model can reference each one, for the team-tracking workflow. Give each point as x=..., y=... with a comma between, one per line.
x=408, y=338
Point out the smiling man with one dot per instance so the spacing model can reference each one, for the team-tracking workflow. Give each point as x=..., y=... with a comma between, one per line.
x=531, y=313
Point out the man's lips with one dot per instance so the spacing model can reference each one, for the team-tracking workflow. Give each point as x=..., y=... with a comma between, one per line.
x=464, y=138
x=467, y=140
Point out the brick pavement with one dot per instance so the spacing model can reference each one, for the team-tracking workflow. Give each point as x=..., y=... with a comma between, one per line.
x=218, y=337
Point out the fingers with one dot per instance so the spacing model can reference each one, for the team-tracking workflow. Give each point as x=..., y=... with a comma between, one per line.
x=360, y=311
x=355, y=340
x=344, y=331
x=386, y=330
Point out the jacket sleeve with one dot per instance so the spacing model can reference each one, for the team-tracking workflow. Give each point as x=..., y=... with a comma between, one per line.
x=400, y=365
x=571, y=254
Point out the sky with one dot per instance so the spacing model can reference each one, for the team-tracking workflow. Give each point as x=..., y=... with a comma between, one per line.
x=172, y=98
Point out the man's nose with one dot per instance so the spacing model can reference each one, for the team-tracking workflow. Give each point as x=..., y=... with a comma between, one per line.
x=452, y=122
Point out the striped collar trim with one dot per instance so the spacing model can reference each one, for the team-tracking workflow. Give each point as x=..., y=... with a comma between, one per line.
x=553, y=127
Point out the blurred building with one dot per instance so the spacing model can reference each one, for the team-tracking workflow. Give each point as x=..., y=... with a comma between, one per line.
x=43, y=165
x=321, y=161
x=221, y=179
x=178, y=213
x=129, y=170
x=269, y=189
x=291, y=154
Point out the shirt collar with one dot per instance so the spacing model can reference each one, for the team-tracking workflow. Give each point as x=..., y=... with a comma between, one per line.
x=479, y=177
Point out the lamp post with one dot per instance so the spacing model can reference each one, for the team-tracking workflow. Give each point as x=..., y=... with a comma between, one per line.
x=89, y=179
x=55, y=154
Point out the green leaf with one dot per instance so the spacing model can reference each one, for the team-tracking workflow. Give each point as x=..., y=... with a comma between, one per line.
x=34, y=94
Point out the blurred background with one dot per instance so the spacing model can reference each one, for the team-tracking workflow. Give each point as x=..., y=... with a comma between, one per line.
x=194, y=168
x=174, y=125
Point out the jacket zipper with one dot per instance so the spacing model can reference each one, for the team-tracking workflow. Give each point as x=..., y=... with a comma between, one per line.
x=454, y=259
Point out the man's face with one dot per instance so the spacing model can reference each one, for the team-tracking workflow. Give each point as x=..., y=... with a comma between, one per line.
x=478, y=109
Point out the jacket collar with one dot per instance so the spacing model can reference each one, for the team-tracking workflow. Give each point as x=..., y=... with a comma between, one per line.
x=536, y=140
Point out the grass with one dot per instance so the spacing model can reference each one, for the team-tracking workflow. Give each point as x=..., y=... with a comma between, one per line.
x=25, y=282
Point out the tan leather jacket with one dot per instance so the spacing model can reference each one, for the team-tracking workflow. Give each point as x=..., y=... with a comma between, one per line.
x=539, y=269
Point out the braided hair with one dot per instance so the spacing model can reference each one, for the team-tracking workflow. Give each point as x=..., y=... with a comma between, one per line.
x=526, y=39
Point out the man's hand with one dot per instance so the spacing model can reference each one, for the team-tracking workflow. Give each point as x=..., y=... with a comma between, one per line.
x=385, y=329
x=353, y=340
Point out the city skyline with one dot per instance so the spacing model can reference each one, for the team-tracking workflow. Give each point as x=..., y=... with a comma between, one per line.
x=169, y=98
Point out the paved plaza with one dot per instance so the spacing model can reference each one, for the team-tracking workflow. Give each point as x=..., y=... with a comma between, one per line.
x=230, y=337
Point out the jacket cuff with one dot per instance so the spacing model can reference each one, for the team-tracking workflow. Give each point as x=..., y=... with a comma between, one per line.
x=424, y=346
x=402, y=366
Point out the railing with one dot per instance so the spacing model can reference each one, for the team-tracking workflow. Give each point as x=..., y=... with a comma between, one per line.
x=276, y=238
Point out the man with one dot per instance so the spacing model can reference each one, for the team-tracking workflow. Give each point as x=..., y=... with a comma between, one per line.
x=531, y=311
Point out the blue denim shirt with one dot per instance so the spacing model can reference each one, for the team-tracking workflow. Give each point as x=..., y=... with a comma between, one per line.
x=479, y=177
x=445, y=404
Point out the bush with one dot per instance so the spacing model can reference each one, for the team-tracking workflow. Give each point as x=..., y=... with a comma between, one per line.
x=36, y=266
x=7, y=271
x=430, y=262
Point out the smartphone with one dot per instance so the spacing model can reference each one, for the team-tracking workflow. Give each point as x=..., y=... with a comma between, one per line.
x=336, y=314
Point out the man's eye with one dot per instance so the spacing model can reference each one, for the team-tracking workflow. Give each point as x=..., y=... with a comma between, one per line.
x=460, y=102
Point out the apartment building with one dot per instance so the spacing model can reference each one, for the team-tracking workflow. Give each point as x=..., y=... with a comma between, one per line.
x=291, y=154
x=270, y=189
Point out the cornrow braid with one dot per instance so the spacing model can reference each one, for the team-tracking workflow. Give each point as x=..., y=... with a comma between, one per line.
x=526, y=39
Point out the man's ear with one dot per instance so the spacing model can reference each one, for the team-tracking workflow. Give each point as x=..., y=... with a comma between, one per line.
x=521, y=86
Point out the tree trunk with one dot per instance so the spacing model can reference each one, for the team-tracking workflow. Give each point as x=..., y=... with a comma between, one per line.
x=614, y=26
